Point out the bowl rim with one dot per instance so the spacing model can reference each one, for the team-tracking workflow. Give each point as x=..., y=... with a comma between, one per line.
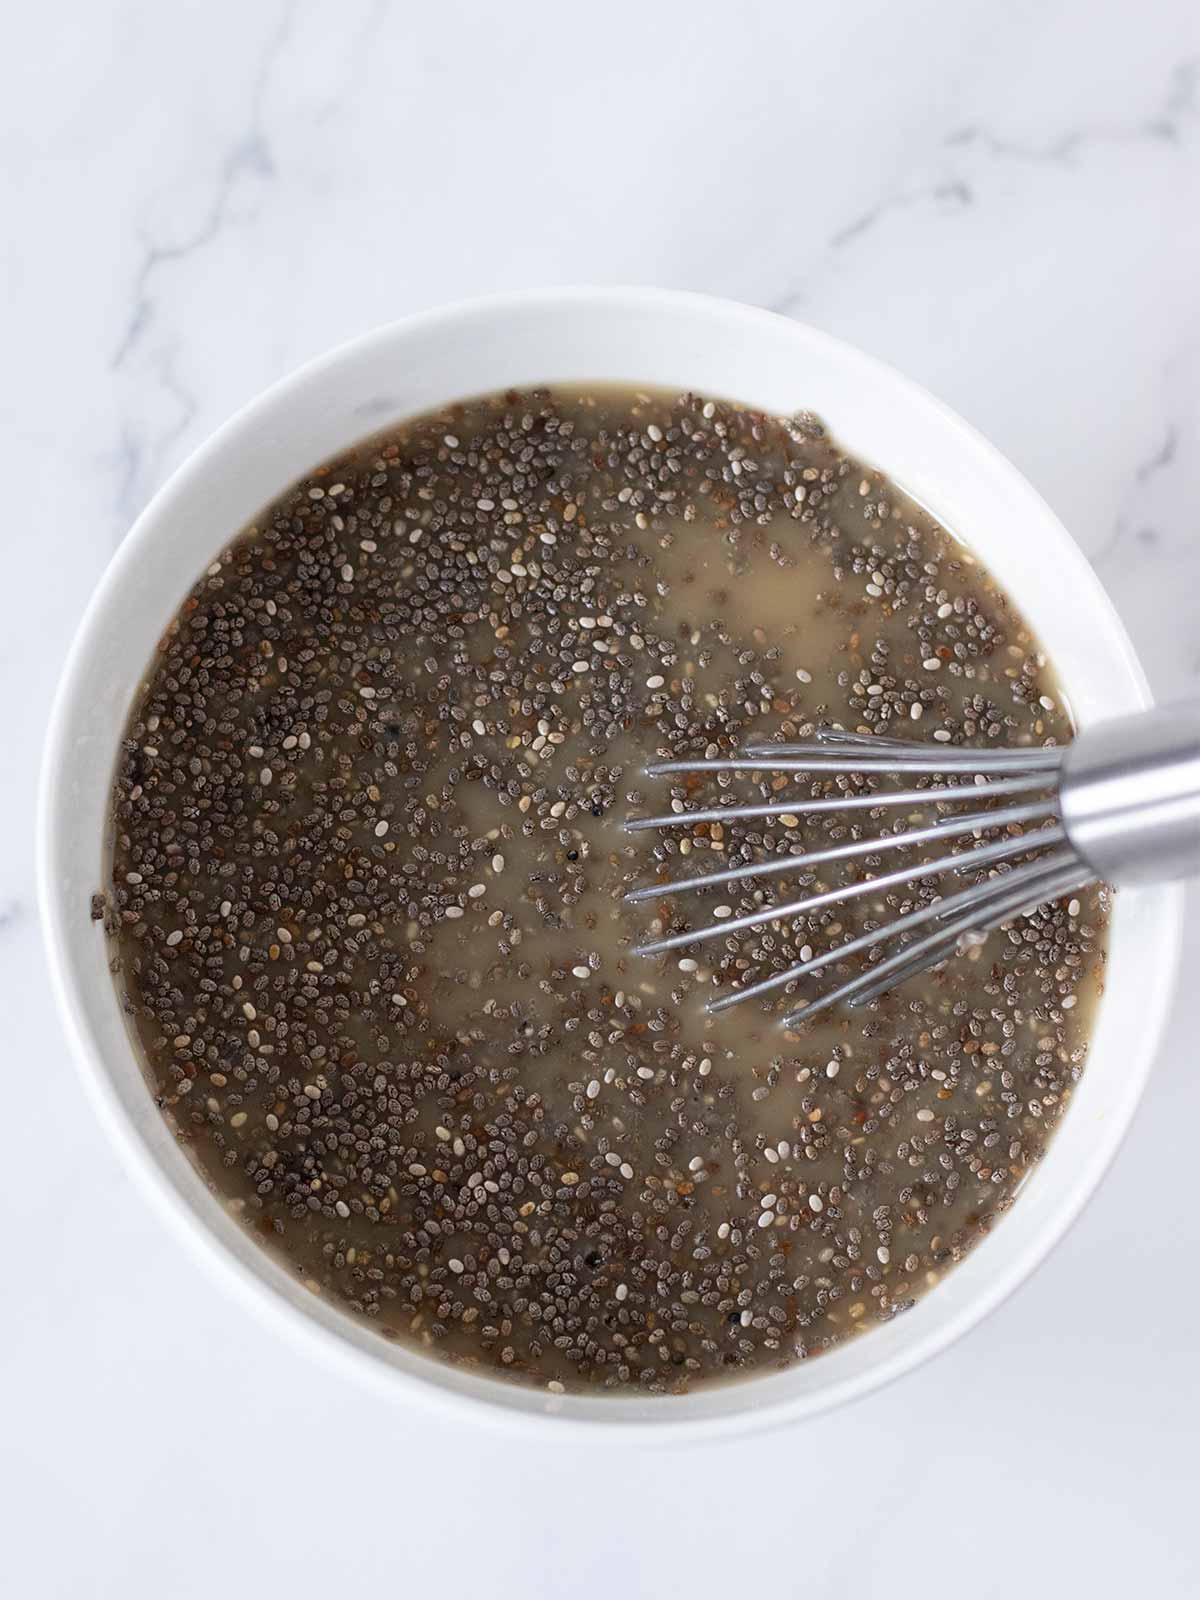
x=510, y=1406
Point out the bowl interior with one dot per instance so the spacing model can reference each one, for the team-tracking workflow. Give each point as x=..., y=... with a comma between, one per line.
x=610, y=335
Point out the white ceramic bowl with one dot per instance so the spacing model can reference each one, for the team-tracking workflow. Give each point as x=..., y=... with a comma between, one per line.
x=655, y=337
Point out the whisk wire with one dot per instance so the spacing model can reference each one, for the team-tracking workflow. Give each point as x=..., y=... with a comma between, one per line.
x=1031, y=888
x=810, y=808
x=1033, y=859
x=980, y=856
x=949, y=827
x=1121, y=803
x=923, y=915
x=902, y=756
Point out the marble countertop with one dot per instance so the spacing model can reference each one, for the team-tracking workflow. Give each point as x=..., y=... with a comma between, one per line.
x=1003, y=201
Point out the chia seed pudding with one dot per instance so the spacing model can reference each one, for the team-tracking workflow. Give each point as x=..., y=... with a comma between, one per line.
x=367, y=879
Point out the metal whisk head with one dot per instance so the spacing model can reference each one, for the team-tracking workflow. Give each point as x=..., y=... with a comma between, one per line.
x=1122, y=803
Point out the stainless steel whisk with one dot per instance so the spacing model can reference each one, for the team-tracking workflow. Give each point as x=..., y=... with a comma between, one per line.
x=1121, y=805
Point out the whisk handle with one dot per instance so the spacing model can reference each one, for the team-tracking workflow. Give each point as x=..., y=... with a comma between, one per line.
x=1130, y=795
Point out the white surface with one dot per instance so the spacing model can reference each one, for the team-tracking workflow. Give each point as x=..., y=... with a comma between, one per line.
x=601, y=335
x=1001, y=200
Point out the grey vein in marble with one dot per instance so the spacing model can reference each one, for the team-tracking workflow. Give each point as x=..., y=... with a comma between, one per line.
x=1170, y=124
x=367, y=30
x=248, y=156
x=953, y=195
x=139, y=462
x=1143, y=473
